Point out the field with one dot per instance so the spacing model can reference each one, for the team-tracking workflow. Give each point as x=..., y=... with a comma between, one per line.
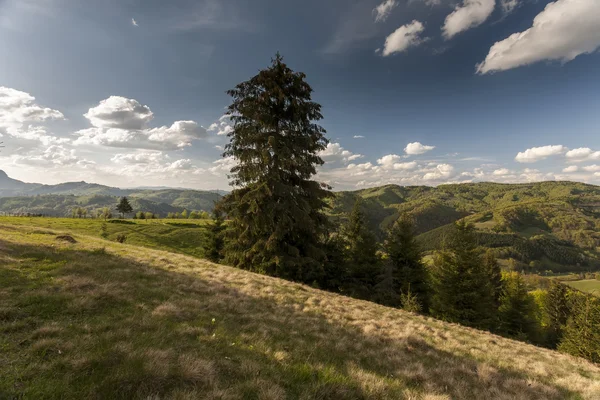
x=99, y=319
x=586, y=285
x=177, y=235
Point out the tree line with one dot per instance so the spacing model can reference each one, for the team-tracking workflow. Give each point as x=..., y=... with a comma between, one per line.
x=277, y=226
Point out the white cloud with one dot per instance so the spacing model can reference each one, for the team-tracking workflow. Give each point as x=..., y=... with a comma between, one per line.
x=53, y=155
x=391, y=161
x=402, y=38
x=334, y=152
x=383, y=10
x=134, y=22
x=145, y=157
x=509, y=6
x=470, y=14
x=122, y=122
x=501, y=172
x=591, y=168
x=416, y=148
x=20, y=117
x=223, y=165
x=222, y=126
x=539, y=153
x=441, y=171
x=564, y=30
x=358, y=137
x=582, y=154
x=570, y=168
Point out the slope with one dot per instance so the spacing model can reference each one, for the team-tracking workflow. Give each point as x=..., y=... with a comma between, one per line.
x=97, y=319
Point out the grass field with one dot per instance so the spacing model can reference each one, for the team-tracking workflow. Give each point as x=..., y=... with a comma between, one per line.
x=177, y=235
x=97, y=319
x=586, y=285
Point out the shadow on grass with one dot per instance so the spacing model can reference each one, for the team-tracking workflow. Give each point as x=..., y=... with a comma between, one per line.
x=88, y=324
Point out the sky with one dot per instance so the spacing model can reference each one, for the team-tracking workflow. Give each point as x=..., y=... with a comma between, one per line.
x=414, y=92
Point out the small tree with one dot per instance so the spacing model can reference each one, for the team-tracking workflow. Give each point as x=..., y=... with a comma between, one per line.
x=149, y=215
x=184, y=214
x=408, y=272
x=140, y=215
x=124, y=207
x=215, y=241
x=362, y=258
x=106, y=213
x=556, y=307
x=517, y=308
x=581, y=336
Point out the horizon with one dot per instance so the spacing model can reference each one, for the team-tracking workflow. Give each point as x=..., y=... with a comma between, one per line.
x=417, y=93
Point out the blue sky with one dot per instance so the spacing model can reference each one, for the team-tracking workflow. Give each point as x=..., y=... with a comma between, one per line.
x=131, y=92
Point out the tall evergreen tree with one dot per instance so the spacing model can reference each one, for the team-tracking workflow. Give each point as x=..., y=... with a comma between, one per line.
x=215, y=241
x=462, y=289
x=557, y=311
x=277, y=223
x=408, y=272
x=581, y=335
x=362, y=258
x=124, y=207
x=517, y=308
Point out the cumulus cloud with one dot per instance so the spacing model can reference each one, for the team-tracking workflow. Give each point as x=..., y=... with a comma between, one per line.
x=592, y=168
x=21, y=116
x=564, y=30
x=582, y=154
x=501, y=172
x=417, y=148
x=383, y=10
x=122, y=122
x=402, y=38
x=441, y=171
x=571, y=168
x=469, y=14
x=539, y=153
x=391, y=161
x=54, y=155
x=336, y=153
x=222, y=126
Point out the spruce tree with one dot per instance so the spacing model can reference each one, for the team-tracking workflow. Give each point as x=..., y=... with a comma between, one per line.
x=362, y=258
x=581, y=335
x=124, y=207
x=277, y=223
x=404, y=258
x=517, y=308
x=557, y=311
x=462, y=288
x=215, y=241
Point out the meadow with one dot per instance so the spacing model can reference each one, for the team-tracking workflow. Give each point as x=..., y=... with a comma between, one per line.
x=100, y=319
x=586, y=285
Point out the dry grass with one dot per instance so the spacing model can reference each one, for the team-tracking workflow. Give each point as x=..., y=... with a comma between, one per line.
x=104, y=320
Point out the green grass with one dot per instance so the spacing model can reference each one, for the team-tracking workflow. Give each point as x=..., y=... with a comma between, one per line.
x=177, y=235
x=98, y=319
x=586, y=285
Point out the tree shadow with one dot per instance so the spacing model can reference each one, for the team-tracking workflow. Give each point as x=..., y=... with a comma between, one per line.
x=91, y=324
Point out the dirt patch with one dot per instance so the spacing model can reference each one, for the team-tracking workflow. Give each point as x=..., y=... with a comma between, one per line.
x=66, y=238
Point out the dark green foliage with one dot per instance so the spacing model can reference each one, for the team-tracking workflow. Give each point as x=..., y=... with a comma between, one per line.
x=581, y=336
x=121, y=238
x=335, y=271
x=277, y=223
x=215, y=240
x=557, y=310
x=495, y=276
x=517, y=311
x=404, y=256
x=461, y=283
x=124, y=207
x=104, y=230
x=362, y=258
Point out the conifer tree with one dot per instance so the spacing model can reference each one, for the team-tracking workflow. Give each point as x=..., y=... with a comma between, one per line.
x=362, y=258
x=557, y=311
x=277, y=224
x=581, y=335
x=517, y=308
x=124, y=207
x=495, y=274
x=215, y=241
x=462, y=289
x=404, y=258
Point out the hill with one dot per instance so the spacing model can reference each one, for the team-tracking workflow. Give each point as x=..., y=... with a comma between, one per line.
x=98, y=319
x=541, y=226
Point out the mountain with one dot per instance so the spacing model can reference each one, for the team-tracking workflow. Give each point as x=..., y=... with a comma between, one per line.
x=99, y=319
x=537, y=226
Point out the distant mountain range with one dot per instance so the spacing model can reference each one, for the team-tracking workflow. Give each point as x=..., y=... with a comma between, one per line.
x=58, y=200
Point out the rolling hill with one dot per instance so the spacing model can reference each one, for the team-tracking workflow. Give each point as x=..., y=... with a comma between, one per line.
x=97, y=319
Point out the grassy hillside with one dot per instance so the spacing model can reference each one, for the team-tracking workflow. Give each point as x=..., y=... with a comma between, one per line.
x=542, y=226
x=97, y=319
x=179, y=236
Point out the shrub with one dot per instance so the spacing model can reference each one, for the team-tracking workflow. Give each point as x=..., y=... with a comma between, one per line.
x=121, y=238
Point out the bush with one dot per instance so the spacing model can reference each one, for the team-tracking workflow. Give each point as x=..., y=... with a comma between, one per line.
x=121, y=238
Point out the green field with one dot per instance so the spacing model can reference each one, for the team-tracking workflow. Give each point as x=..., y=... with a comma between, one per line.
x=176, y=235
x=586, y=285
x=98, y=319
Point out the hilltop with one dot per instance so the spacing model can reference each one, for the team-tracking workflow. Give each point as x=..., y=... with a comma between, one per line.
x=98, y=319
